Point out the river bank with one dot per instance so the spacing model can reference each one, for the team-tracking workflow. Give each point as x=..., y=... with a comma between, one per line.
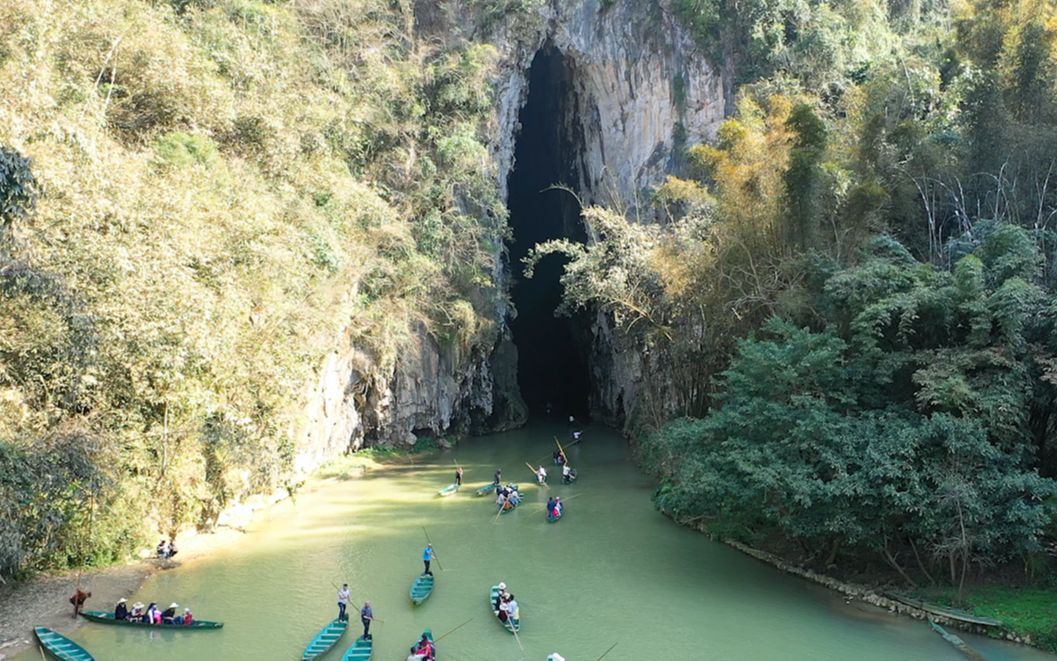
x=1013, y=629
x=44, y=600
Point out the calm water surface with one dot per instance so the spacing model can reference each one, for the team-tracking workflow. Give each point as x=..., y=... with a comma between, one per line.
x=612, y=570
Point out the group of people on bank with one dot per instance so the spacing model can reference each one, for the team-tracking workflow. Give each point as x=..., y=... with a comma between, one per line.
x=152, y=614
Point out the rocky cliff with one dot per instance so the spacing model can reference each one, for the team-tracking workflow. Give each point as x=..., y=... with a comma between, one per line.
x=633, y=92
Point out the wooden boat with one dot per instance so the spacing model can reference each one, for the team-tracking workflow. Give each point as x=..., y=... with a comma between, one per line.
x=448, y=490
x=360, y=650
x=511, y=625
x=486, y=489
x=60, y=646
x=952, y=613
x=105, y=617
x=421, y=588
x=325, y=639
x=428, y=633
x=957, y=642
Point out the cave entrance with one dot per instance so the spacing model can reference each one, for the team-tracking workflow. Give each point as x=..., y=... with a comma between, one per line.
x=552, y=360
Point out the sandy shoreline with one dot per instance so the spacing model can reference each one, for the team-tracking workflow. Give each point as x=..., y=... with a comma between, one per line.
x=44, y=600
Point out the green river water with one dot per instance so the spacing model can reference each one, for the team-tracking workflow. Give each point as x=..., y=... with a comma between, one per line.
x=613, y=570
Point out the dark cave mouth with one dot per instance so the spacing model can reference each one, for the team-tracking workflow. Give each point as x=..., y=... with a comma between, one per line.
x=553, y=371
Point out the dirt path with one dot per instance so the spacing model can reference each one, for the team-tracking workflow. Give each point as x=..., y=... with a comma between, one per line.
x=44, y=601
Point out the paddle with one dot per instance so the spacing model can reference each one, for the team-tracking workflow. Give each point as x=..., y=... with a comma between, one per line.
x=430, y=541
x=41, y=650
x=518, y=640
x=438, y=639
x=606, y=652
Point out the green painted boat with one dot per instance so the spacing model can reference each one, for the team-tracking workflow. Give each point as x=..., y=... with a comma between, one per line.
x=60, y=646
x=428, y=633
x=421, y=588
x=512, y=624
x=104, y=617
x=360, y=650
x=448, y=490
x=486, y=489
x=325, y=639
x=942, y=611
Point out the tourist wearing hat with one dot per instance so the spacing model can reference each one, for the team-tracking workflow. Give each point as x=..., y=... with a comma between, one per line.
x=169, y=614
x=137, y=611
x=121, y=610
x=499, y=595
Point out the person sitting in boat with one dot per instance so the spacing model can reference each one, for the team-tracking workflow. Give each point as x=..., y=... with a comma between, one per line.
x=499, y=595
x=550, y=504
x=423, y=651
x=559, y=458
x=153, y=615
x=136, y=614
x=514, y=498
x=169, y=614
x=577, y=435
x=559, y=506
x=121, y=610
x=187, y=618
x=541, y=475
x=568, y=474
x=500, y=500
x=511, y=609
x=504, y=610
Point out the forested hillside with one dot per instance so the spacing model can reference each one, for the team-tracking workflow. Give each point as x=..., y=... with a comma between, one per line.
x=200, y=199
x=876, y=220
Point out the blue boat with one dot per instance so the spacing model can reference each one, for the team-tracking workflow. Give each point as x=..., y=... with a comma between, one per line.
x=360, y=650
x=421, y=588
x=60, y=646
x=325, y=639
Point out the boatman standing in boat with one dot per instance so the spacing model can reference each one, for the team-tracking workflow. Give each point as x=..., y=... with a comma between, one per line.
x=343, y=602
x=366, y=615
x=541, y=475
x=498, y=477
x=427, y=557
x=458, y=475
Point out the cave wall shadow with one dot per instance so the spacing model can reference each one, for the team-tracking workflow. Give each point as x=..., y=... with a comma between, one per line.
x=552, y=351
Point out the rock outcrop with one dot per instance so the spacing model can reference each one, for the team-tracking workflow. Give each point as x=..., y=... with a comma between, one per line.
x=634, y=91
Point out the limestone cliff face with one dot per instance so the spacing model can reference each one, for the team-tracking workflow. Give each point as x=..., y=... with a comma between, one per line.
x=634, y=91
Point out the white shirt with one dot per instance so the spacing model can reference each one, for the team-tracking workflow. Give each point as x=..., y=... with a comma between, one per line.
x=511, y=608
x=541, y=472
x=566, y=469
x=343, y=596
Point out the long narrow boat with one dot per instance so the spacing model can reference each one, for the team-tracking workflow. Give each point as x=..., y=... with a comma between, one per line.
x=957, y=642
x=325, y=639
x=486, y=489
x=360, y=650
x=60, y=646
x=448, y=490
x=428, y=633
x=104, y=617
x=942, y=611
x=421, y=588
x=511, y=624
